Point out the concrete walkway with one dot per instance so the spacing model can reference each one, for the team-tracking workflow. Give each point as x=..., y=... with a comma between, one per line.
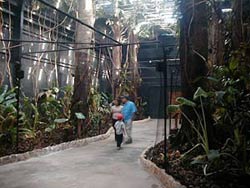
x=98, y=165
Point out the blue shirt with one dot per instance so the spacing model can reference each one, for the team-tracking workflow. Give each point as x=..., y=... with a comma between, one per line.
x=128, y=110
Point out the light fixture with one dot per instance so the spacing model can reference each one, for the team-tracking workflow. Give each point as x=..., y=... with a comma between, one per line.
x=67, y=81
x=29, y=72
x=227, y=10
x=43, y=46
x=58, y=4
x=50, y=76
x=40, y=75
x=88, y=5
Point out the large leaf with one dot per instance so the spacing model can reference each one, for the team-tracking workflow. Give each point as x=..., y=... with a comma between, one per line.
x=200, y=159
x=1, y=135
x=28, y=133
x=61, y=120
x=219, y=96
x=213, y=79
x=80, y=115
x=233, y=64
x=173, y=108
x=9, y=109
x=10, y=102
x=186, y=102
x=3, y=92
x=200, y=93
x=213, y=154
x=50, y=128
x=10, y=96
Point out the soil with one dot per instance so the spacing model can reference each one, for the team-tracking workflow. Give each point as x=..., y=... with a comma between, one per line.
x=45, y=139
x=190, y=175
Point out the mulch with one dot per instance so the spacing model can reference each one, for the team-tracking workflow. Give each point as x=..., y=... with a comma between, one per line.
x=192, y=175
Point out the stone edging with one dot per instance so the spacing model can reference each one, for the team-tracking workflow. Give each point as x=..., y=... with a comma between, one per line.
x=166, y=180
x=50, y=149
x=143, y=120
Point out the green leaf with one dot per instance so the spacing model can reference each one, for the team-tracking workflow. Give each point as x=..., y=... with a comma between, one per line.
x=9, y=109
x=237, y=136
x=80, y=115
x=9, y=102
x=62, y=120
x=28, y=132
x=173, y=108
x=233, y=64
x=200, y=159
x=10, y=96
x=200, y=93
x=3, y=91
x=219, y=95
x=186, y=102
x=213, y=79
x=1, y=135
x=197, y=79
x=50, y=128
x=213, y=154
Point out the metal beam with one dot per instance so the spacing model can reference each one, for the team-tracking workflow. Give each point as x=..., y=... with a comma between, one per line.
x=77, y=20
x=16, y=60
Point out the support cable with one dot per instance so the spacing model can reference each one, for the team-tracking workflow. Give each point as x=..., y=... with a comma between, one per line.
x=77, y=20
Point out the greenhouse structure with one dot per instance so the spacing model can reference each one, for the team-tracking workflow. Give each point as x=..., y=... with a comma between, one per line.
x=124, y=93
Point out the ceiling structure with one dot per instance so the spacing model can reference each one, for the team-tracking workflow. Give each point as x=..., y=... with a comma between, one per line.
x=155, y=12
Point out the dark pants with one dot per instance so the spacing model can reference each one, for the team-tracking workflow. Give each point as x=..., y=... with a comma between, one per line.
x=113, y=124
x=119, y=139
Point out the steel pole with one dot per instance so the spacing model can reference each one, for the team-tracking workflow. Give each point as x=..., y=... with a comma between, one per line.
x=16, y=58
x=165, y=76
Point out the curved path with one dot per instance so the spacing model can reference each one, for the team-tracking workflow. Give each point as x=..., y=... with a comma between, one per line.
x=97, y=165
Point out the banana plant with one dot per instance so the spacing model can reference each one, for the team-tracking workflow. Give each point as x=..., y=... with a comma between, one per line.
x=201, y=129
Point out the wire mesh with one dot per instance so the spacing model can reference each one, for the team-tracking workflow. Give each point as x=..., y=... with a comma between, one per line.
x=48, y=46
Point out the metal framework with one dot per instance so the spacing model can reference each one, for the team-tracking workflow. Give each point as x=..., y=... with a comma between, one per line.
x=18, y=40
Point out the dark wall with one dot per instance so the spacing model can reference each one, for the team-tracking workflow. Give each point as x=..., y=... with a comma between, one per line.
x=152, y=81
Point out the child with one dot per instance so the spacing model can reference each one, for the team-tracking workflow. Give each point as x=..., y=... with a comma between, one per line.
x=120, y=130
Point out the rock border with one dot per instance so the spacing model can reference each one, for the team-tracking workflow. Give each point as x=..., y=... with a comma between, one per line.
x=51, y=149
x=143, y=120
x=60, y=147
x=166, y=180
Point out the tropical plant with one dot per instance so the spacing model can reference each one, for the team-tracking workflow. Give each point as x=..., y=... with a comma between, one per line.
x=228, y=101
x=99, y=111
x=67, y=92
x=8, y=113
x=199, y=126
x=49, y=106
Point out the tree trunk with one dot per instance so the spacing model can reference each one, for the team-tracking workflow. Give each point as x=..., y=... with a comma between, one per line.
x=216, y=37
x=237, y=24
x=116, y=56
x=117, y=51
x=82, y=57
x=241, y=27
x=193, y=54
x=133, y=60
x=240, y=23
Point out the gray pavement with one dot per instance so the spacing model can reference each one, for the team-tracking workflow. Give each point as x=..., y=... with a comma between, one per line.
x=97, y=165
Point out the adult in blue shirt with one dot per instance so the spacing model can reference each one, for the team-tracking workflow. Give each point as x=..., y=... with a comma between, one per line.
x=128, y=112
